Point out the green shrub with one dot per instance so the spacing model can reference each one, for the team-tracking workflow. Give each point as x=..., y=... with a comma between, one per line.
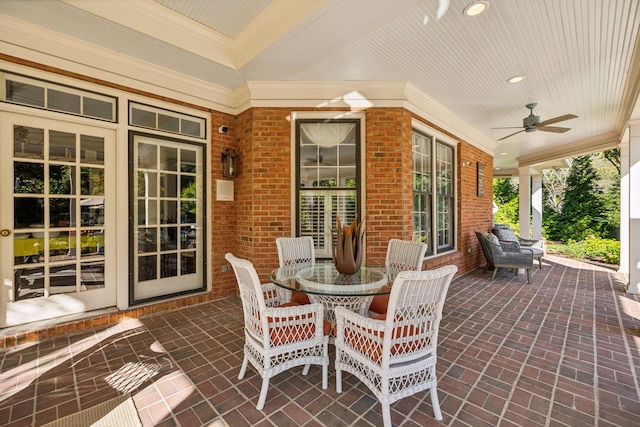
x=593, y=248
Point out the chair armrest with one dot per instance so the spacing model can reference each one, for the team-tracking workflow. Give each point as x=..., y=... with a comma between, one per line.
x=533, y=243
x=510, y=246
x=524, y=258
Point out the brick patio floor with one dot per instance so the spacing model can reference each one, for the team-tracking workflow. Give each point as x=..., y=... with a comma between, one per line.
x=562, y=351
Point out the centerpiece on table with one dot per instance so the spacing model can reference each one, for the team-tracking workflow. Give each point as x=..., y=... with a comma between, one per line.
x=348, y=246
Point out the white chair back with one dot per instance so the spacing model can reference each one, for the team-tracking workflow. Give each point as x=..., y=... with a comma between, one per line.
x=296, y=250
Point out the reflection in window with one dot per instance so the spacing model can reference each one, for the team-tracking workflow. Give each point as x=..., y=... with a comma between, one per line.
x=327, y=162
x=58, y=210
x=433, y=195
x=168, y=211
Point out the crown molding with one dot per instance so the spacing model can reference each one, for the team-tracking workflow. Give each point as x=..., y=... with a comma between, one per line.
x=39, y=45
x=578, y=148
x=162, y=23
x=356, y=95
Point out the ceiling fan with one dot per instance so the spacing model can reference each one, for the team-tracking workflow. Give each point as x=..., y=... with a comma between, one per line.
x=532, y=123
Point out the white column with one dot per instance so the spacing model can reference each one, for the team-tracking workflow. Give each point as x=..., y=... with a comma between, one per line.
x=624, y=203
x=536, y=205
x=634, y=208
x=524, y=211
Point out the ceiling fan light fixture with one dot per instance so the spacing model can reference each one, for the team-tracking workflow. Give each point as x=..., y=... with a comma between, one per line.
x=516, y=79
x=476, y=8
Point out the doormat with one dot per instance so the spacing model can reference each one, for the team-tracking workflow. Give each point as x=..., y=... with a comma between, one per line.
x=118, y=412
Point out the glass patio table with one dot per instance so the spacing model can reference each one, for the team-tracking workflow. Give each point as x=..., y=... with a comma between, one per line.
x=324, y=284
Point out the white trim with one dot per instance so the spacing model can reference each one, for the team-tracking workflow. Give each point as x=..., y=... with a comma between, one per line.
x=67, y=53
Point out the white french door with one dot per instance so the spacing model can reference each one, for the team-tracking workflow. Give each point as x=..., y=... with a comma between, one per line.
x=167, y=217
x=57, y=218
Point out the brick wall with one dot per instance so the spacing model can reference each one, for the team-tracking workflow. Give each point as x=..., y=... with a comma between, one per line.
x=262, y=208
x=264, y=200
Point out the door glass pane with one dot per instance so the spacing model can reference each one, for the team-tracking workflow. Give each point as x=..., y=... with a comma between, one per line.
x=168, y=253
x=91, y=150
x=92, y=181
x=50, y=244
x=28, y=212
x=168, y=185
x=61, y=179
x=92, y=275
x=28, y=178
x=62, y=212
x=28, y=142
x=62, y=146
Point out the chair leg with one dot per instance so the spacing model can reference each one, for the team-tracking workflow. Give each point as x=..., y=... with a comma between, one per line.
x=263, y=393
x=386, y=415
x=495, y=270
x=528, y=276
x=435, y=403
x=305, y=370
x=338, y=381
x=325, y=376
x=243, y=369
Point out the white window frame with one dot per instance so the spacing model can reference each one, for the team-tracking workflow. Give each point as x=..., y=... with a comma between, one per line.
x=438, y=137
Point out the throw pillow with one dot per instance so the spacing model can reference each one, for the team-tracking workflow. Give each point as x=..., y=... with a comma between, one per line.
x=495, y=244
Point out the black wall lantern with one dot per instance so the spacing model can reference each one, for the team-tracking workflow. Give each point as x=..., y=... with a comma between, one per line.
x=229, y=164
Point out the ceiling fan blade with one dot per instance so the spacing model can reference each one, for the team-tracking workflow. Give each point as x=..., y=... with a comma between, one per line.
x=505, y=137
x=557, y=119
x=555, y=129
x=509, y=127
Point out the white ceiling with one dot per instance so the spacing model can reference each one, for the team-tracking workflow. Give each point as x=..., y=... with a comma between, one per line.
x=580, y=57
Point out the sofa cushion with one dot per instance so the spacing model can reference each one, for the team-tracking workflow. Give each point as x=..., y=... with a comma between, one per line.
x=505, y=234
x=494, y=243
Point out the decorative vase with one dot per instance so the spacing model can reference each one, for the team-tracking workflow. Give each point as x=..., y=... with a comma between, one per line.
x=347, y=246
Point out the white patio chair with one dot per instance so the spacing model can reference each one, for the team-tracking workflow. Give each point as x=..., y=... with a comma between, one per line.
x=395, y=354
x=296, y=251
x=402, y=255
x=277, y=337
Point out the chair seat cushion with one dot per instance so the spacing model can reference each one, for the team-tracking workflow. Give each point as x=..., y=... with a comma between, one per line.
x=379, y=304
x=300, y=297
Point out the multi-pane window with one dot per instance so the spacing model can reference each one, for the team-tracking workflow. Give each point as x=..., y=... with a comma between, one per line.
x=327, y=176
x=433, y=193
x=50, y=96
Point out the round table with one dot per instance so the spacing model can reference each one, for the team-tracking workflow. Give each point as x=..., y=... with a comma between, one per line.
x=325, y=285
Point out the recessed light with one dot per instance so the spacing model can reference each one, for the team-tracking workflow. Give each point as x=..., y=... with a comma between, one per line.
x=504, y=153
x=516, y=79
x=476, y=8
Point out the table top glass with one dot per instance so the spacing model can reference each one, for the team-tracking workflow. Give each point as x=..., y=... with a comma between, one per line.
x=324, y=279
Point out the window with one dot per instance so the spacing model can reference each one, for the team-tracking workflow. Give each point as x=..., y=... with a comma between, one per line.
x=327, y=153
x=433, y=192
x=165, y=120
x=50, y=96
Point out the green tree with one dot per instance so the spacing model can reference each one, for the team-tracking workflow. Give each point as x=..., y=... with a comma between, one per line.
x=583, y=213
x=504, y=190
x=505, y=195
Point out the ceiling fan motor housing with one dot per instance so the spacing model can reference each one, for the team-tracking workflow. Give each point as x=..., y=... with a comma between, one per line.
x=530, y=122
